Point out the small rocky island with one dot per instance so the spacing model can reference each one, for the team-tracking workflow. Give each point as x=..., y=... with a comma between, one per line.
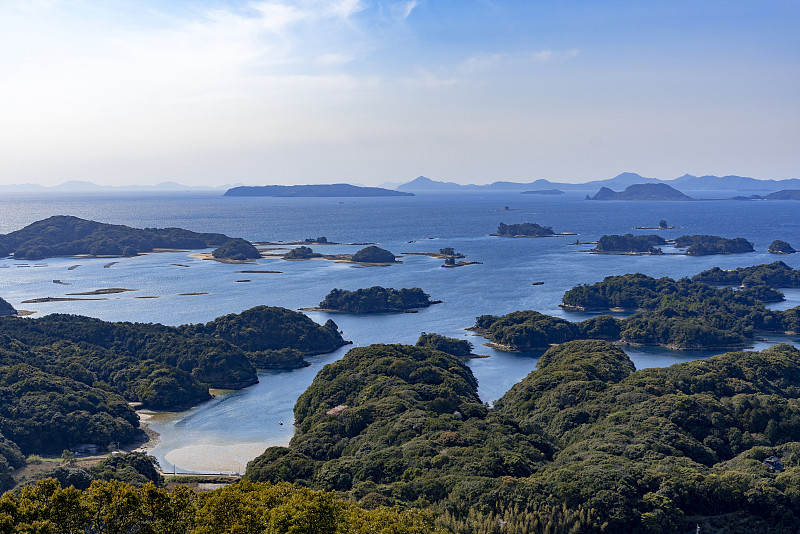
x=373, y=254
x=317, y=190
x=662, y=225
x=301, y=253
x=706, y=245
x=375, y=299
x=526, y=230
x=780, y=247
x=451, y=258
x=236, y=250
x=65, y=235
x=641, y=192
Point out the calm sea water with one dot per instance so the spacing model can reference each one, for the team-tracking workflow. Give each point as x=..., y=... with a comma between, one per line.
x=223, y=434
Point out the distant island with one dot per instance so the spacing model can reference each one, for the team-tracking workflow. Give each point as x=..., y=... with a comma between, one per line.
x=526, y=230
x=64, y=235
x=785, y=194
x=658, y=191
x=780, y=247
x=375, y=299
x=320, y=190
x=686, y=182
x=544, y=192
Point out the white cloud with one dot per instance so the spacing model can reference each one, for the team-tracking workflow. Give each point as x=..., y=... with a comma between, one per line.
x=549, y=56
x=404, y=9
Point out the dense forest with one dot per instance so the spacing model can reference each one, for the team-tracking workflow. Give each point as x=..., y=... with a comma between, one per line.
x=629, y=243
x=376, y=299
x=63, y=235
x=524, y=229
x=118, y=508
x=775, y=274
x=67, y=379
x=585, y=442
x=705, y=245
x=236, y=249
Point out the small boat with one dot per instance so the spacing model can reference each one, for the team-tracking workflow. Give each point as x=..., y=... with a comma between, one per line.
x=537, y=284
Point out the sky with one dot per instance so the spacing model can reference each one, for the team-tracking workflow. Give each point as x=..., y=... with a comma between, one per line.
x=211, y=92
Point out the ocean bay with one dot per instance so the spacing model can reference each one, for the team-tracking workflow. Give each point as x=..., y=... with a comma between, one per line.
x=415, y=224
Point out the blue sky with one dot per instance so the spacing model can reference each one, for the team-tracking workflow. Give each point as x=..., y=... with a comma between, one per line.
x=372, y=91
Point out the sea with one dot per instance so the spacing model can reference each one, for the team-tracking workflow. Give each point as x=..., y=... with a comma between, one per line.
x=223, y=434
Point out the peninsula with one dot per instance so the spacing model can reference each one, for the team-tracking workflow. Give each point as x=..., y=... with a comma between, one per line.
x=319, y=190
x=64, y=235
x=584, y=440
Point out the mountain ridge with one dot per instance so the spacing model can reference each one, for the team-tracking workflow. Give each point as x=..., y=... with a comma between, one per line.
x=622, y=180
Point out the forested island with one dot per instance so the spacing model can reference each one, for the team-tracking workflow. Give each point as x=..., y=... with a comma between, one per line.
x=236, y=249
x=695, y=245
x=629, y=244
x=64, y=235
x=705, y=245
x=679, y=314
x=67, y=379
x=318, y=190
x=375, y=299
x=524, y=230
x=584, y=444
x=373, y=254
x=301, y=253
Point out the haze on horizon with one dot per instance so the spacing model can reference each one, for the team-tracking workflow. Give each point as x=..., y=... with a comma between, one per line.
x=371, y=91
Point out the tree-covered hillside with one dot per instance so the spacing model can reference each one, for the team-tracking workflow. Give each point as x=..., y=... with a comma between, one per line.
x=67, y=379
x=117, y=507
x=585, y=442
x=64, y=235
